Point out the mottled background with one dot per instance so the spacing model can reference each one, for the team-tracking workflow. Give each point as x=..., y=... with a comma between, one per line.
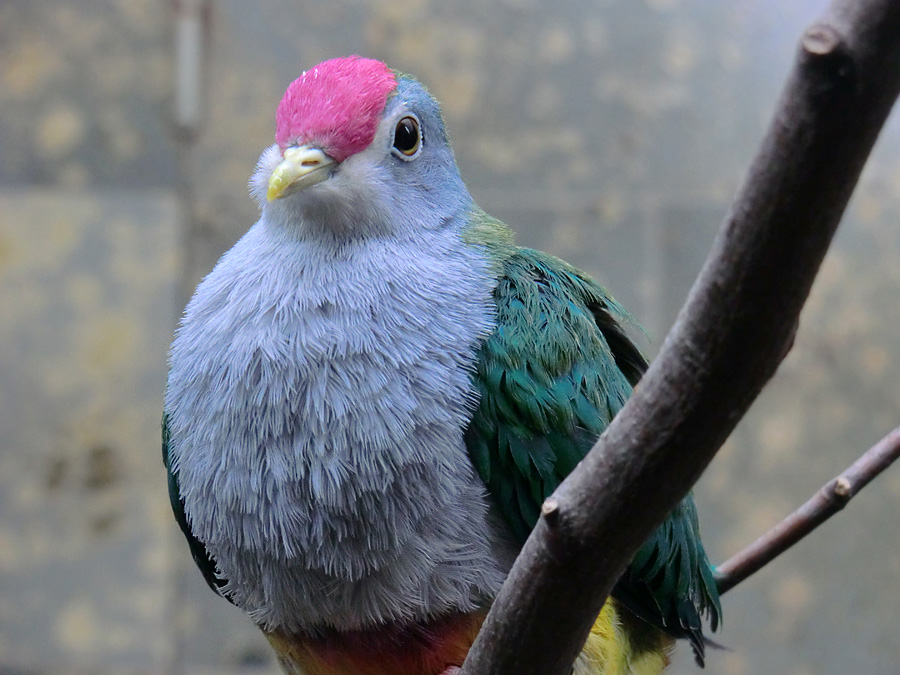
x=612, y=133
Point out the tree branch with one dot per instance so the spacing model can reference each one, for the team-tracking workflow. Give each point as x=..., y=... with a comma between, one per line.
x=831, y=498
x=726, y=343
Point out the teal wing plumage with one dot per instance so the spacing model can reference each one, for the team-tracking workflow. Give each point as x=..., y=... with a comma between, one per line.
x=670, y=582
x=198, y=551
x=552, y=375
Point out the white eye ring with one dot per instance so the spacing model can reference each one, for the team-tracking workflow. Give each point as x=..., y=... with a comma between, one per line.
x=407, y=139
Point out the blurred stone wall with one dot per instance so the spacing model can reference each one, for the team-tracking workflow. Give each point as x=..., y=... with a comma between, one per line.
x=612, y=133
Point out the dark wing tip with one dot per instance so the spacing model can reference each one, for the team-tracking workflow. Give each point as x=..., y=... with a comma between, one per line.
x=628, y=357
x=199, y=553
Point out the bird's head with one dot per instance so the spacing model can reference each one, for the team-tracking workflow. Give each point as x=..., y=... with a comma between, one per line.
x=360, y=149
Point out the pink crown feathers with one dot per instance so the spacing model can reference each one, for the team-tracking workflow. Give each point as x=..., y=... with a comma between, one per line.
x=335, y=106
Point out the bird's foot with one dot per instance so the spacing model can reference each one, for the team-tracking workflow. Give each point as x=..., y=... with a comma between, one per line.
x=452, y=670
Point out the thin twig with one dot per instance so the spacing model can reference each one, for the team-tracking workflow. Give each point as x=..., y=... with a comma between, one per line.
x=725, y=345
x=831, y=498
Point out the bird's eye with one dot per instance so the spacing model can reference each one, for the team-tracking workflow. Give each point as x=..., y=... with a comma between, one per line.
x=407, y=138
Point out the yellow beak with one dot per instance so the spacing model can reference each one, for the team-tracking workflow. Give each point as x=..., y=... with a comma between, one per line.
x=302, y=167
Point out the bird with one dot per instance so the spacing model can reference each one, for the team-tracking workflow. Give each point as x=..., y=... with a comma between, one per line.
x=372, y=393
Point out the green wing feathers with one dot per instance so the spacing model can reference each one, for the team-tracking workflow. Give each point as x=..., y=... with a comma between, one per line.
x=548, y=384
x=670, y=583
x=551, y=377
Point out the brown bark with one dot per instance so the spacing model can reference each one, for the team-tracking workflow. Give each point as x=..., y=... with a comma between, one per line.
x=830, y=499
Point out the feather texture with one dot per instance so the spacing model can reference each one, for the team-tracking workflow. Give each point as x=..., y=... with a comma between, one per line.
x=199, y=553
x=557, y=368
x=337, y=106
x=317, y=396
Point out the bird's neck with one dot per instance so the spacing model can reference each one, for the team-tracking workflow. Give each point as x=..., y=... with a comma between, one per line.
x=363, y=213
x=392, y=649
